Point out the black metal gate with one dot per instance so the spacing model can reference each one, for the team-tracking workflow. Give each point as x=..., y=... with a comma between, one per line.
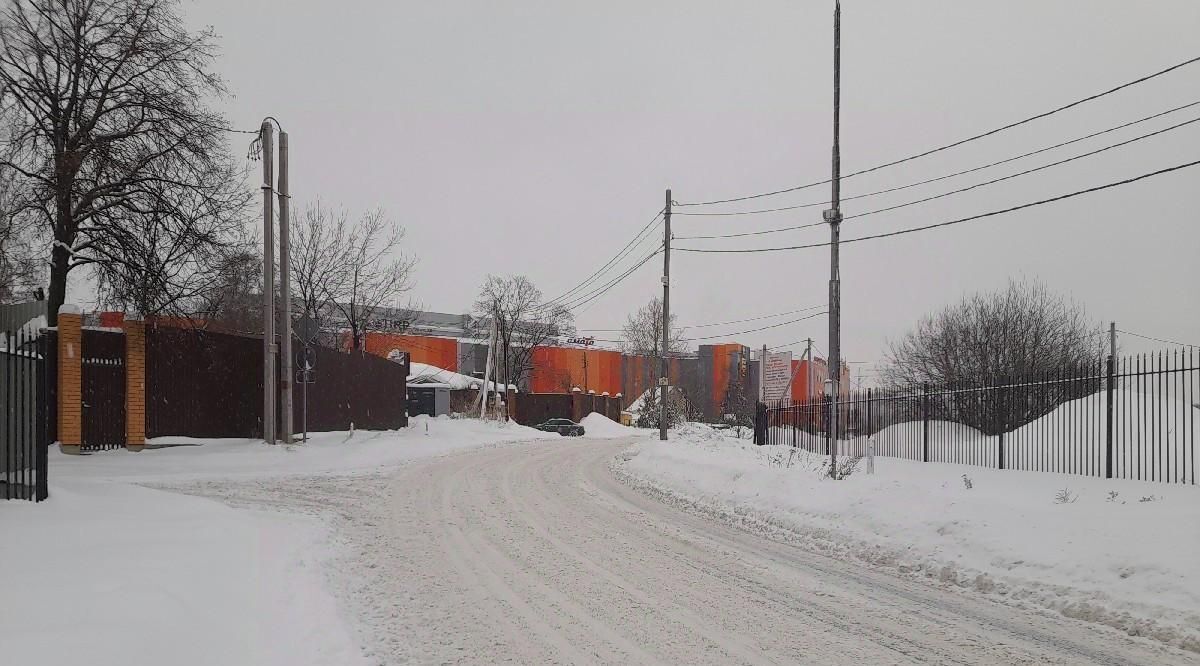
x=23, y=402
x=103, y=390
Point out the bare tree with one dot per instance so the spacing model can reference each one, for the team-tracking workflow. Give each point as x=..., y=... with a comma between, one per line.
x=171, y=256
x=523, y=322
x=19, y=268
x=642, y=336
x=642, y=333
x=318, y=261
x=1023, y=333
x=235, y=300
x=103, y=107
x=354, y=271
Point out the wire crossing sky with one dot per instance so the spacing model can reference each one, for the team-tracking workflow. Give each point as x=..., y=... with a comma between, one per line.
x=519, y=138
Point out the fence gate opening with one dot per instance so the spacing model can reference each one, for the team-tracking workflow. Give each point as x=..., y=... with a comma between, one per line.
x=103, y=390
x=23, y=402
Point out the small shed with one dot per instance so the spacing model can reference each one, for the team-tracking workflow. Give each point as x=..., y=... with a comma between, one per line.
x=432, y=399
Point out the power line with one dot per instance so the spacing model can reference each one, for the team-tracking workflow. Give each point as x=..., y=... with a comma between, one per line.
x=753, y=330
x=587, y=298
x=956, y=221
x=960, y=142
x=1162, y=340
x=723, y=323
x=620, y=254
x=1027, y=171
x=742, y=321
x=927, y=181
x=951, y=192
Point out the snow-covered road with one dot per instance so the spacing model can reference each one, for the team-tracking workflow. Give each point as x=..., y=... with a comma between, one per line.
x=537, y=554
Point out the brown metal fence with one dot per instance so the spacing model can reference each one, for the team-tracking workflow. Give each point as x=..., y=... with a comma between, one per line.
x=208, y=384
x=103, y=390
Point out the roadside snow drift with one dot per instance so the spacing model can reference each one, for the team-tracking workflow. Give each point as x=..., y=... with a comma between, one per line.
x=111, y=572
x=1123, y=553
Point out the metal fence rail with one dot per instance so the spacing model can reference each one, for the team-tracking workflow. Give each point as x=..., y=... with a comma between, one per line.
x=1129, y=418
x=23, y=403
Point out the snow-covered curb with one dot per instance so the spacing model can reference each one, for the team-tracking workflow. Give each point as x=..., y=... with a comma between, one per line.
x=1123, y=563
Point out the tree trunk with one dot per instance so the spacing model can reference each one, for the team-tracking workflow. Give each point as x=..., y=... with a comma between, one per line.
x=60, y=258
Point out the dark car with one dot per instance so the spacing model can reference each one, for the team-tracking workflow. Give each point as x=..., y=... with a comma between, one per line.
x=564, y=427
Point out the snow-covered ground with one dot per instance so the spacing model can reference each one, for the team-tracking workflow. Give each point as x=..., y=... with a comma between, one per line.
x=1121, y=553
x=110, y=571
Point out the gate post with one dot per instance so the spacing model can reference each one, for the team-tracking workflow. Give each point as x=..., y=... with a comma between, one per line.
x=1108, y=398
x=70, y=379
x=135, y=384
x=925, y=423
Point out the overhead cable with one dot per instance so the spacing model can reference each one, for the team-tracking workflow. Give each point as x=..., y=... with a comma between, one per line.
x=960, y=142
x=949, y=222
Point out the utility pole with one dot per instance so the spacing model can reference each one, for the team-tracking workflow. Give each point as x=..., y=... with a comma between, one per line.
x=834, y=217
x=666, y=320
x=487, y=368
x=269, y=379
x=285, y=294
x=762, y=375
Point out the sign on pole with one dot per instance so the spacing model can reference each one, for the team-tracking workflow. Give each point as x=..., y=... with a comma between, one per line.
x=777, y=374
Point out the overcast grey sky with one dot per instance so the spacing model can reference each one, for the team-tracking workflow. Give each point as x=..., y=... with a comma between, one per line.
x=538, y=137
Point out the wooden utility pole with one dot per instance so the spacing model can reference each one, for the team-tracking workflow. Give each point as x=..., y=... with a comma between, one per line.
x=834, y=217
x=666, y=320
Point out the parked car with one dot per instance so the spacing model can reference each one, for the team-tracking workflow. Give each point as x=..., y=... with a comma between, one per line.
x=564, y=427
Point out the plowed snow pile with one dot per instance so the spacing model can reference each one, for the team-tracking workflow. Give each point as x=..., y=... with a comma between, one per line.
x=599, y=425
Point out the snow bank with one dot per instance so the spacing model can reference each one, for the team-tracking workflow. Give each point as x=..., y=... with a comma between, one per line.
x=122, y=575
x=108, y=572
x=184, y=458
x=1127, y=559
x=600, y=426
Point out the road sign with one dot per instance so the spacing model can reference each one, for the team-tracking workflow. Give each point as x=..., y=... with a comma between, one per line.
x=307, y=329
x=306, y=358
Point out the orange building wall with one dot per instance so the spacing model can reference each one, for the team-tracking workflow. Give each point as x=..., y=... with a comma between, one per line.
x=820, y=374
x=438, y=352
x=559, y=369
x=800, y=388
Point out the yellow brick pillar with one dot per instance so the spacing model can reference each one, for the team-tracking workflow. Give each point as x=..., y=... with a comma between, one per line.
x=70, y=379
x=135, y=384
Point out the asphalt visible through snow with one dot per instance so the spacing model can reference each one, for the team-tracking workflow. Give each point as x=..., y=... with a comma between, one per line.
x=535, y=553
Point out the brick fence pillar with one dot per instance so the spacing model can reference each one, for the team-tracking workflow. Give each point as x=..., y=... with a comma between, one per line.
x=510, y=402
x=576, y=404
x=70, y=379
x=135, y=384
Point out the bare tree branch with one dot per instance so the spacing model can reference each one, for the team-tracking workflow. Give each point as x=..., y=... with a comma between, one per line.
x=523, y=323
x=102, y=109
